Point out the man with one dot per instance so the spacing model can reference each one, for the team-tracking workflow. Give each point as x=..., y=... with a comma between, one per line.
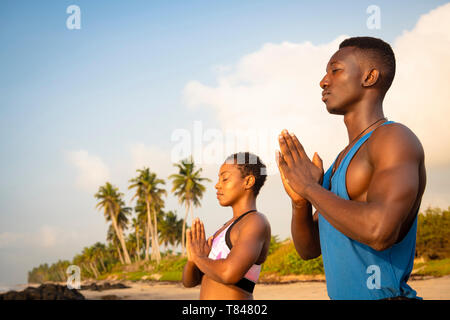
x=367, y=202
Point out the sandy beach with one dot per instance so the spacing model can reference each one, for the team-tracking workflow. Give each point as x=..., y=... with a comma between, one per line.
x=429, y=289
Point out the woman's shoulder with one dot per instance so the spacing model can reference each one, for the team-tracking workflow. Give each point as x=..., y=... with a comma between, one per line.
x=256, y=219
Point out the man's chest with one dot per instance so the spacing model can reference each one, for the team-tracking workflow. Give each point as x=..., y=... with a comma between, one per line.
x=358, y=175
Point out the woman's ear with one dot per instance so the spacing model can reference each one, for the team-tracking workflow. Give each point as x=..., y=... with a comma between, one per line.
x=250, y=181
x=371, y=78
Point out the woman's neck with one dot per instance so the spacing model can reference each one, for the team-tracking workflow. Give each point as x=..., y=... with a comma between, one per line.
x=243, y=205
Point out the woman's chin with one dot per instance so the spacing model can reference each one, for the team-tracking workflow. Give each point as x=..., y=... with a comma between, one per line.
x=223, y=203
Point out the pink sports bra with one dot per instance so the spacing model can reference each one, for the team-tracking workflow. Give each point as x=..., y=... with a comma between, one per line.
x=220, y=249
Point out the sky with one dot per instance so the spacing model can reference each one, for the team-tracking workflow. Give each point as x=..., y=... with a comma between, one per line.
x=141, y=80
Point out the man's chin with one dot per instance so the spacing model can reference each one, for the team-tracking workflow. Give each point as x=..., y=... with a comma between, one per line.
x=333, y=109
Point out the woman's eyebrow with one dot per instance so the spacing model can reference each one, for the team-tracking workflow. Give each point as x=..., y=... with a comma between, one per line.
x=223, y=173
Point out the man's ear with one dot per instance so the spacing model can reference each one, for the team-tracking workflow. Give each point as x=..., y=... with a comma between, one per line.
x=371, y=78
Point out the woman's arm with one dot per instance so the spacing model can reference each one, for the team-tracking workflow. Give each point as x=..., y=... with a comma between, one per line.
x=192, y=275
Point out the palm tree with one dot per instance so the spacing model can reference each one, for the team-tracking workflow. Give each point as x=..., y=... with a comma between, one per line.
x=111, y=237
x=148, y=191
x=187, y=186
x=136, y=225
x=171, y=229
x=98, y=253
x=113, y=206
x=89, y=258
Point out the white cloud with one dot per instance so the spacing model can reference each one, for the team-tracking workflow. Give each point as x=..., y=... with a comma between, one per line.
x=278, y=87
x=45, y=237
x=274, y=88
x=153, y=157
x=92, y=171
x=8, y=239
x=419, y=95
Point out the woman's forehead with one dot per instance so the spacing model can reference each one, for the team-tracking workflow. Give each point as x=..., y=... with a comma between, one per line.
x=227, y=167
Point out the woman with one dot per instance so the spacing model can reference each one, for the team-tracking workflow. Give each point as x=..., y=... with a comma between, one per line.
x=228, y=265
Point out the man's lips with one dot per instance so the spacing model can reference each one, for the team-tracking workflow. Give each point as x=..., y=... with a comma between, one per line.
x=324, y=95
x=219, y=194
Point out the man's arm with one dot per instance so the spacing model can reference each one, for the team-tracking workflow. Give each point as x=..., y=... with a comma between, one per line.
x=395, y=155
x=242, y=256
x=305, y=231
x=304, y=226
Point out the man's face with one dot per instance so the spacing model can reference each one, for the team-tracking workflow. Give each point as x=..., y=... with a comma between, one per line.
x=342, y=84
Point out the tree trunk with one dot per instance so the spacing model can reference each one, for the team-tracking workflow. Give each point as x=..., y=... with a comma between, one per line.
x=120, y=236
x=148, y=231
x=96, y=267
x=147, y=241
x=87, y=270
x=157, y=253
x=102, y=262
x=152, y=231
x=138, y=254
x=183, y=234
x=93, y=270
x=62, y=275
x=120, y=253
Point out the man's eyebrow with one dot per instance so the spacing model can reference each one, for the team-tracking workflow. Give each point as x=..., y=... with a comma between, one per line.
x=223, y=173
x=331, y=63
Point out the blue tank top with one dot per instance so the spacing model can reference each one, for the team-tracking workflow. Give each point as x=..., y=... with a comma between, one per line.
x=354, y=270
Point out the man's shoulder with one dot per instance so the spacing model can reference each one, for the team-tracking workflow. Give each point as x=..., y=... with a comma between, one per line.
x=394, y=140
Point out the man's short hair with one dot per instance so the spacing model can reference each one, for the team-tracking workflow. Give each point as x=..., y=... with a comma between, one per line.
x=249, y=164
x=378, y=52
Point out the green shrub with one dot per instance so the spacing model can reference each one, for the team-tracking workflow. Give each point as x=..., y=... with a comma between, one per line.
x=285, y=260
x=433, y=234
x=437, y=268
x=171, y=276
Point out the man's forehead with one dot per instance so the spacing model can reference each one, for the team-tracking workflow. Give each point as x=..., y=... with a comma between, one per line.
x=342, y=55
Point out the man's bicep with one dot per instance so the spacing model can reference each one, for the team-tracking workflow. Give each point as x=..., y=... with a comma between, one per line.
x=396, y=155
x=394, y=187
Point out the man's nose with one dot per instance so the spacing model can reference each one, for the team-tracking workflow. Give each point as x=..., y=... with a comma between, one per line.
x=324, y=83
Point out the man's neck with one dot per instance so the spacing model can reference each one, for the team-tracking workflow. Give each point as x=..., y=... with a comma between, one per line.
x=361, y=117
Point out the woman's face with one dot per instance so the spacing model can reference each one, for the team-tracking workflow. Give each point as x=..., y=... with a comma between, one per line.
x=231, y=186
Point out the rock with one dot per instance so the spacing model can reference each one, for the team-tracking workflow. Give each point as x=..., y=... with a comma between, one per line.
x=110, y=297
x=104, y=286
x=32, y=293
x=44, y=292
